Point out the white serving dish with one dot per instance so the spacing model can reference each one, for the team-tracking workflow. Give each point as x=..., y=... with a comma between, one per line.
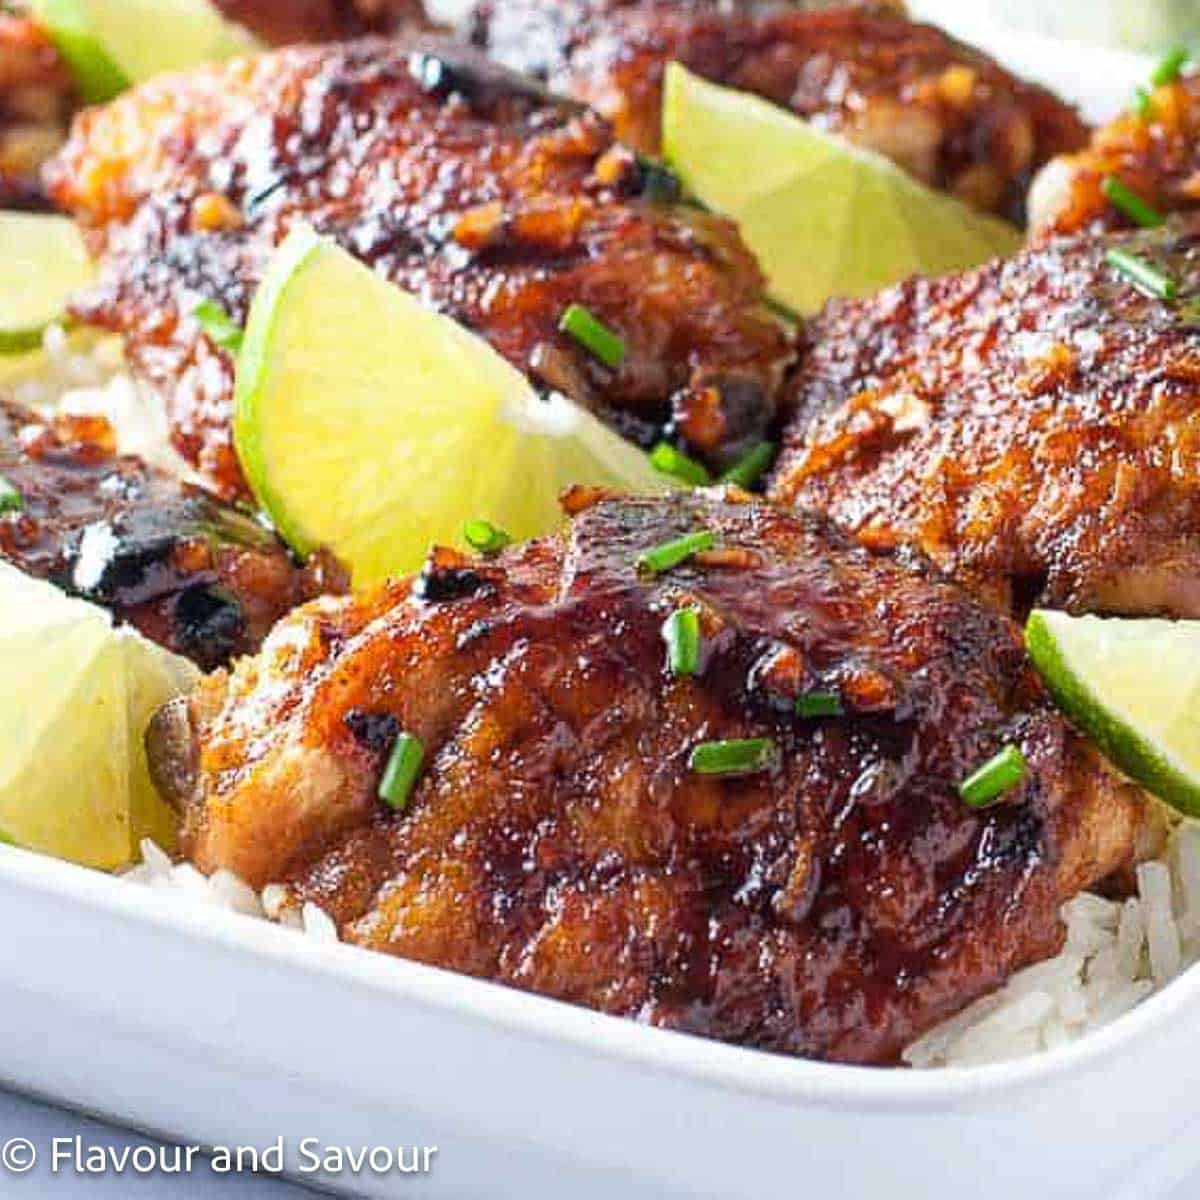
x=206, y=1027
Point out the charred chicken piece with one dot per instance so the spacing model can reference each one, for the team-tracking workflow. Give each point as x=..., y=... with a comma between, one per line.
x=833, y=901
x=1030, y=425
x=943, y=111
x=282, y=22
x=466, y=185
x=1155, y=154
x=187, y=571
x=37, y=97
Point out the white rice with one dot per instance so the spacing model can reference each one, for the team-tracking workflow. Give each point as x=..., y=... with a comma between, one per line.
x=225, y=890
x=1116, y=954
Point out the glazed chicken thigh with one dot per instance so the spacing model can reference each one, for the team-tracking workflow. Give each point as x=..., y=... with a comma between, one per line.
x=945, y=112
x=469, y=187
x=832, y=896
x=1031, y=426
x=1154, y=153
x=38, y=95
x=188, y=572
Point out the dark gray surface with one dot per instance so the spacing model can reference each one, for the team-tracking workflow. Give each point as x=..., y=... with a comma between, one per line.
x=40, y=1123
x=21, y=1118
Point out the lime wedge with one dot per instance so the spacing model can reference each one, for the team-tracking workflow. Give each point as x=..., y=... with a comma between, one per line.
x=824, y=217
x=370, y=425
x=97, y=76
x=42, y=261
x=1134, y=686
x=110, y=44
x=76, y=700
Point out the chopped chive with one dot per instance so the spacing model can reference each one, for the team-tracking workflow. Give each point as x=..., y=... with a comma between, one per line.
x=819, y=704
x=743, y=756
x=997, y=776
x=665, y=458
x=221, y=328
x=485, y=537
x=591, y=333
x=749, y=469
x=659, y=184
x=1171, y=65
x=400, y=774
x=662, y=558
x=781, y=310
x=1143, y=103
x=11, y=500
x=681, y=632
x=1131, y=204
x=1143, y=275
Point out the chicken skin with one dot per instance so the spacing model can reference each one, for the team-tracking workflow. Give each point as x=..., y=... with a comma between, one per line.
x=942, y=110
x=833, y=900
x=1154, y=153
x=1031, y=426
x=188, y=572
x=463, y=184
x=282, y=22
x=37, y=97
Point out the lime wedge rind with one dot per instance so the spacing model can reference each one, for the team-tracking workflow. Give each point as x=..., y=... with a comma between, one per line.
x=1132, y=687
x=825, y=217
x=97, y=76
x=45, y=262
x=253, y=370
x=110, y=45
x=22, y=341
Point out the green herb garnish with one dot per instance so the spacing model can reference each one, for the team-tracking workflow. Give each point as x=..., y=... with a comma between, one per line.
x=591, y=333
x=813, y=705
x=659, y=184
x=11, y=500
x=221, y=328
x=1168, y=70
x=1143, y=275
x=400, y=774
x=743, y=756
x=998, y=775
x=681, y=632
x=670, y=554
x=485, y=537
x=751, y=467
x=1130, y=203
x=665, y=458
